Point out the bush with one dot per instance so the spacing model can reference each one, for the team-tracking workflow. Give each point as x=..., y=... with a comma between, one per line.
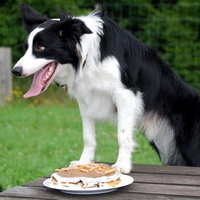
x=172, y=29
x=175, y=36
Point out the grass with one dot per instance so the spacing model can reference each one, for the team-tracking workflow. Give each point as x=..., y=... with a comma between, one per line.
x=36, y=138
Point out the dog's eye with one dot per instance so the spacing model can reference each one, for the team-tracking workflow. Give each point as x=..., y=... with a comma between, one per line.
x=39, y=48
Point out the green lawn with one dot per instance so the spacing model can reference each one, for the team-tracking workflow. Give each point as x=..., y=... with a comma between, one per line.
x=37, y=138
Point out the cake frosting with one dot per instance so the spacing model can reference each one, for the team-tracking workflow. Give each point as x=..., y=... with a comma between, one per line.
x=83, y=176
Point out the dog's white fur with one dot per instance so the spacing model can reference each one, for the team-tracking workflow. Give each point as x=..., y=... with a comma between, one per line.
x=114, y=77
x=99, y=92
x=155, y=131
x=29, y=63
x=99, y=95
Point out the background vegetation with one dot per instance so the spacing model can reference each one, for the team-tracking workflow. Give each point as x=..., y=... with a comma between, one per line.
x=44, y=133
x=172, y=27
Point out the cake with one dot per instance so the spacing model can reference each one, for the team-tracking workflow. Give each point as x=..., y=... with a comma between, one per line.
x=91, y=175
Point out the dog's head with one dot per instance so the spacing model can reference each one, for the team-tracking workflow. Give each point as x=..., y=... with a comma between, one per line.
x=50, y=44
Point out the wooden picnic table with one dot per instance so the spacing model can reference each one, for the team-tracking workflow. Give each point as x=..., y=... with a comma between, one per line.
x=151, y=182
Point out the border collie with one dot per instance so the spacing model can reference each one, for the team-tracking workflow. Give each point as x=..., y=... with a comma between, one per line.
x=113, y=77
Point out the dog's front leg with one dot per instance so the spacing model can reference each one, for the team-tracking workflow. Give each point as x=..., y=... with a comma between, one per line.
x=129, y=108
x=89, y=138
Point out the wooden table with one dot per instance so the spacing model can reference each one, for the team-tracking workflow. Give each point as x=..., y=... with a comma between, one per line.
x=151, y=182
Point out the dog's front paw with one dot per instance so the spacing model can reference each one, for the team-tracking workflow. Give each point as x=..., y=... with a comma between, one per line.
x=123, y=167
x=78, y=162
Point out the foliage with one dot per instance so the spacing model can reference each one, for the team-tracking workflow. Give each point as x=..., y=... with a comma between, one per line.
x=170, y=27
x=177, y=38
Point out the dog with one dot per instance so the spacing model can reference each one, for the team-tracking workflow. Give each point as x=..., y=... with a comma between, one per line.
x=115, y=77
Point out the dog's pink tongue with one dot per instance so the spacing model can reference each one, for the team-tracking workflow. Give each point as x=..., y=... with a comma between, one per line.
x=36, y=87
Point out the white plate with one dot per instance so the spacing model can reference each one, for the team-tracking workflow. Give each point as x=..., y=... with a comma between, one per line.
x=125, y=180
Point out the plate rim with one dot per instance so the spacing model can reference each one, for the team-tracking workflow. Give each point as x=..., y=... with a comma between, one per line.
x=47, y=183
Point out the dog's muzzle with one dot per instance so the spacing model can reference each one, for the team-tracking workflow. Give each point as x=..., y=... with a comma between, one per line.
x=17, y=71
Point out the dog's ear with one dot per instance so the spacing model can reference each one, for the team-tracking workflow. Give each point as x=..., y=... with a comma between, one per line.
x=30, y=17
x=73, y=28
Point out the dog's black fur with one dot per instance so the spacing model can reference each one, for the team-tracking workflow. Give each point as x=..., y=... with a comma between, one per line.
x=164, y=92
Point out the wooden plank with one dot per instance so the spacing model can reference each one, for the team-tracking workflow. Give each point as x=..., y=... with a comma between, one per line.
x=148, y=178
x=152, y=187
x=158, y=169
x=186, y=173
x=164, y=169
x=14, y=198
x=36, y=183
x=174, y=190
x=166, y=179
x=157, y=182
x=134, y=197
x=5, y=75
x=44, y=193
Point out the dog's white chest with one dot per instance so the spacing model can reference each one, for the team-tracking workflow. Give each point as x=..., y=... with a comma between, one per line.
x=97, y=105
x=94, y=90
x=93, y=101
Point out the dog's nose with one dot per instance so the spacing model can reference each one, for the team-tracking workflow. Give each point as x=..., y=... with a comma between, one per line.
x=17, y=71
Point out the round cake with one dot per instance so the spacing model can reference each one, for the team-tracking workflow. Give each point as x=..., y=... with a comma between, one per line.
x=91, y=175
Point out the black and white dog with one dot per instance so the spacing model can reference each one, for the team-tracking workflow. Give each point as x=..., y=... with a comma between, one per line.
x=114, y=77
